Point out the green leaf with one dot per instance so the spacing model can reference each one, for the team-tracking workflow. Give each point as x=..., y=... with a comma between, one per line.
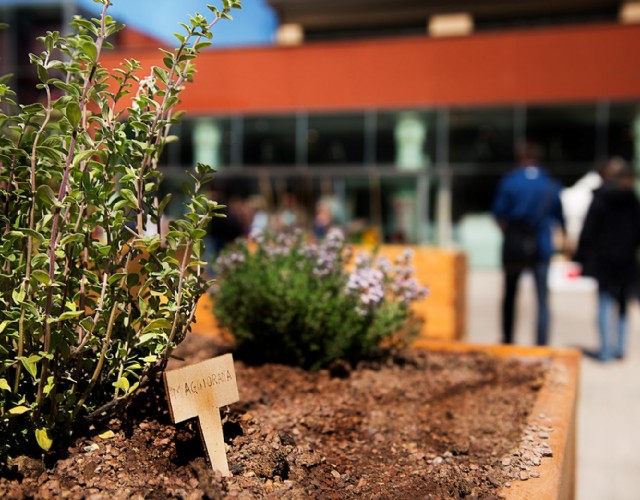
x=133, y=280
x=4, y=385
x=128, y=195
x=73, y=113
x=81, y=156
x=69, y=89
x=114, y=278
x=122, y=383
x=69, y=315
x=32, y=109
x=87, y=323
x=44, y=439
x=49, y=386
x=72, y=238
x=19, y=410
x=91, y=50
x=41, y=276
x=142, y=339
x=43, y=74
x=34, y=234
x=51, y=153
x=202, y=45
x=4, y=325
x=197, y=234
x=163, y=203
x=157, y=324
x=161, y=73
x=30, y=364
x=18, y=295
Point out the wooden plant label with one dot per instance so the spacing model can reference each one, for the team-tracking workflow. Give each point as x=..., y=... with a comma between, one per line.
x=200, y=390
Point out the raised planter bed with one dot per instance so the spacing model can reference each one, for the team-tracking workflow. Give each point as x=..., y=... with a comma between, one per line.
x=555, y=407
x=444, y=271
x=449, y=422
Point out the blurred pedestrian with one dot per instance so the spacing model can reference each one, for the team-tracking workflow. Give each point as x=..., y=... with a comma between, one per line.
x=607, y=251
x=258, y=214
x=576, y=199
x=527, y=206
x=322, y=220
x=291, y=214
x=226, y=228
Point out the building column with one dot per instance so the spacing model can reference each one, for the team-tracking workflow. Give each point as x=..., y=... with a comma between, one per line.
x=444, y=208
x=444, y=197
x=408, y=211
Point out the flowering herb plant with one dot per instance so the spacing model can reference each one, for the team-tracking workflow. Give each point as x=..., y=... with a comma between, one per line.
x=92, y=298
x=288, y=300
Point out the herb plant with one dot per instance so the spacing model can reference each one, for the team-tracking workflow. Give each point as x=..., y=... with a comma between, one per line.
x=287, y=300
x=92, y=297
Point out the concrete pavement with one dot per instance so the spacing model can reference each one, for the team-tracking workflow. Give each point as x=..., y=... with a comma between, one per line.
x=609, y=401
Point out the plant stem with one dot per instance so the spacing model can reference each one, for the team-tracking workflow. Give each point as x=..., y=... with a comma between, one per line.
x=32, y=218
x=174, y=326
x=64, y=183
x=172, y=86
x=103, y=352
x=83, y=340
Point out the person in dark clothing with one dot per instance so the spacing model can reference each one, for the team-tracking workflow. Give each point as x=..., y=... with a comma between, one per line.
x=607, y=251
x=224, y=230
x=528, y=196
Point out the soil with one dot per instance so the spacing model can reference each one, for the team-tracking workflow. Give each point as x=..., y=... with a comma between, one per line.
x=418, y=425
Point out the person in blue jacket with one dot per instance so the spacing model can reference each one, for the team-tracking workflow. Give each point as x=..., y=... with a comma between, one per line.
x=528, y=195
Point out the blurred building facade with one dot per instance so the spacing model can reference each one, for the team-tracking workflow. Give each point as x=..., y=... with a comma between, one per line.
x=407, y=112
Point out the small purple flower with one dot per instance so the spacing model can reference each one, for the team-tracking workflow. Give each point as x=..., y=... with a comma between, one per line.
x=405, y=258
x=363, y=260
x=229, y=261
x=257, y=236
x=367, y=283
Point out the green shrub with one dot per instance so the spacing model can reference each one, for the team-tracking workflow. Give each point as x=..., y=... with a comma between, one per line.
x=288, y=301
x=92, y=299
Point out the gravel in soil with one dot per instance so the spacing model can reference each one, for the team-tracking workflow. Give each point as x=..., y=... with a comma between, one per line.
x=419, y=425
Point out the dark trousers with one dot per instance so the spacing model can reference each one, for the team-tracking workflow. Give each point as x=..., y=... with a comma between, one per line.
x=512, y=276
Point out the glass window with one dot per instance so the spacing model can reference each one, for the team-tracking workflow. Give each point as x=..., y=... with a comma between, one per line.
x=406, y=139
x=383, y=208
x=203, y=139
x=623, y=118
x=481, y=135
x=269, y=140
x=566, y=133
x=336, y=139
x=172, y=184
x=473, y=192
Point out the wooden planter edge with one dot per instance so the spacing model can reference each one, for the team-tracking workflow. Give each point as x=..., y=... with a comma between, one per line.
x=555, y=407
